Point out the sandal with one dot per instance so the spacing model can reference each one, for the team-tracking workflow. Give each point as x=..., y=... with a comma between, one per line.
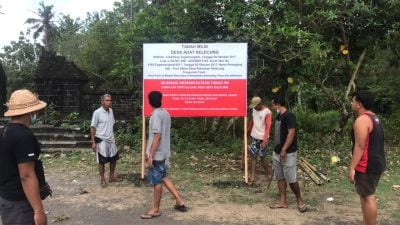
x=181, y=208
x=278, y=207
x=149, y=216
x=302, y=208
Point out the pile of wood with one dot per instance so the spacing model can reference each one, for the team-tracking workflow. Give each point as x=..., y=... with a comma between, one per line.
x=317, y=177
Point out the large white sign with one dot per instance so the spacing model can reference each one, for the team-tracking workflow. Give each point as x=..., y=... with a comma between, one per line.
x=195, y=61
x=207, y=79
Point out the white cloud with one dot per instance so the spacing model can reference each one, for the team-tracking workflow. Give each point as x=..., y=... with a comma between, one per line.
x=17, y=11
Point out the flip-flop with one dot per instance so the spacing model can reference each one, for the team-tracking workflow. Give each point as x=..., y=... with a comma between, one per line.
x=149, y=216
x=181, y=208
x=302, y=208
x=278, y=207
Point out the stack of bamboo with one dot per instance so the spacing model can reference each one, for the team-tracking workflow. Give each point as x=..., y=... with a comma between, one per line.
x=317, y=177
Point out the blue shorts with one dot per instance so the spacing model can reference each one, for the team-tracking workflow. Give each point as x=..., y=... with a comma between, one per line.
x=255, y=148
x=157, y=173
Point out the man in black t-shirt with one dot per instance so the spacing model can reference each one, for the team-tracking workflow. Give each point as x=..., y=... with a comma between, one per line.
x=20, y=201
x=285, y=154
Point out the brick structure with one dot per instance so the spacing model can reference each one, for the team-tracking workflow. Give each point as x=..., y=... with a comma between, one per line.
x=123, y=105
x=62, y=83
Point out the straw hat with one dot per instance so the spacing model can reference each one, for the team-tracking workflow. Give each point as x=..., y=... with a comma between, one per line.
x=254, y=102
x=22, y=102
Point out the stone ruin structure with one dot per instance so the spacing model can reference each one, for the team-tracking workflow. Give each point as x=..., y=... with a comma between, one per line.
x=63, y=84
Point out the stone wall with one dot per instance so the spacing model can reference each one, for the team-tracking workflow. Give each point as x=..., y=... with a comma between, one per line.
x=64, y=94
x=63, y=84
x=124, y=103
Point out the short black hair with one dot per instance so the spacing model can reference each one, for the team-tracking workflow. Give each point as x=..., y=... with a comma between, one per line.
x=279, y=99
x=366, y=98
x=155, y=98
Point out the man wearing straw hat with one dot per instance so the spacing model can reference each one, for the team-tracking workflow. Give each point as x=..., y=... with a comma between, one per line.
x=20, y=201
x=102, y=138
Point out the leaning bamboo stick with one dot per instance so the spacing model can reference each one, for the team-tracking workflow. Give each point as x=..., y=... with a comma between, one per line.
x=326, y=179
x=310, y=173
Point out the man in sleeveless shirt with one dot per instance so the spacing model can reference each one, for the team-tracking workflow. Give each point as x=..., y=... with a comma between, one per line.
x=259, y=128
x=368, y=160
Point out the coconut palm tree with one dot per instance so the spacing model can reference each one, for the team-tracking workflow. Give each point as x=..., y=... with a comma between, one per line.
x=69, y=25
x=44, y=24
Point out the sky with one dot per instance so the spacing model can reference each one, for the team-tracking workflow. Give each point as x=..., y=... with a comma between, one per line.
x=17, y=11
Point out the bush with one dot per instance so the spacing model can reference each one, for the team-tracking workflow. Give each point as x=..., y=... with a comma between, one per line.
x=391, y=125
x=51, y=116
x=131, y=135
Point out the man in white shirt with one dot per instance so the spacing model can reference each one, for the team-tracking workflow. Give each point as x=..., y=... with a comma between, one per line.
x=259, y=128
x=102, y=139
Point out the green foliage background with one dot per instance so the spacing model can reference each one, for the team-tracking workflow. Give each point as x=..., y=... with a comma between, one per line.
x=302, y=40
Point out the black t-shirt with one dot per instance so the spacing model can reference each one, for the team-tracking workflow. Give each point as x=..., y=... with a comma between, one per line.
x=18, y=145
x=283, y=122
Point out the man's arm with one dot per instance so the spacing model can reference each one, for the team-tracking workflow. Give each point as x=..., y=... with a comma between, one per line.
x=153, y=148
x=250, y=126
x=268, y=122
x=92, y=134
x=288, y=142
x=361, y=131
x=30, y=186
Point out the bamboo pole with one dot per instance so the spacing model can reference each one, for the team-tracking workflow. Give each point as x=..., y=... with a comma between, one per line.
x=143, y=145
x=326, y=179
x=246, y=180
x=311, y=174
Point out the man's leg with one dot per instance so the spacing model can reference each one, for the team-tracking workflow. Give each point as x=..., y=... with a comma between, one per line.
x=253, y=169
x=172, y=189
x=101, y=171
x=155, y=210
x=370, y=211
x=296, y=190
x=282, y=193
x=113, y=164
x=265, y=163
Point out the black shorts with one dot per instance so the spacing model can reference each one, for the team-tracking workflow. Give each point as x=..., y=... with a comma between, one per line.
x=16, y=212
x=103, y=160
x=366, y=183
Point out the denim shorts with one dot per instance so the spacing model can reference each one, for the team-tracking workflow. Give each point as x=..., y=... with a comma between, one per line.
x=157, y=173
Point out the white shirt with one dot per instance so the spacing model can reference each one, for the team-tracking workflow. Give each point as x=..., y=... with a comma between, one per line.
x=258, y=129
x=103, y=121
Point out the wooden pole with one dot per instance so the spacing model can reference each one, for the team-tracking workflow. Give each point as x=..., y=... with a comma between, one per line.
x=246, y=180
x=143, y=145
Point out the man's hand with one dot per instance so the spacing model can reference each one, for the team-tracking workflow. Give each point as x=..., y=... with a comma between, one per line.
x=149, y=162
x=264, y=144
x=94, y=146
x=283, y=155
x=352, y=172
x=40, y=218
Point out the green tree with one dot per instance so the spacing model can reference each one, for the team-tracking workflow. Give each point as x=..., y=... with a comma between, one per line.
x=70, y=40
x=44, y=24
x=19, y=61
